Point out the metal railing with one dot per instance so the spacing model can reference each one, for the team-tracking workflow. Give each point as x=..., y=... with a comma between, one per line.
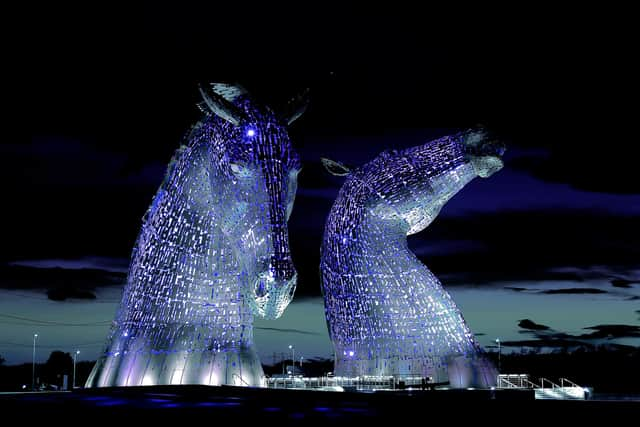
x=545, y=389
x=571, y=383
x=543, y=380
x=522, y=381
x=358, y=383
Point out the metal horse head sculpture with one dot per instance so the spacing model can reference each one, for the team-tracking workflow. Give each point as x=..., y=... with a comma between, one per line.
x=387, y=314
x=212, y=253
x=254, y=172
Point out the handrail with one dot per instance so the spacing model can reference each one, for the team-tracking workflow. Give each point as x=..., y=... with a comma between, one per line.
x=553, y=385
x=509, y=383
x=544, y=383
x=533, y=385
x=563, y=380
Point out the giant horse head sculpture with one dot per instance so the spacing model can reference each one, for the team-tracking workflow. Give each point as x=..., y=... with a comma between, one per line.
x=253, y=170
x=387, y=314
x=213, y=252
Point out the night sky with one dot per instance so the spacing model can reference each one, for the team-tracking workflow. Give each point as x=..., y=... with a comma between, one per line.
x=554, y=237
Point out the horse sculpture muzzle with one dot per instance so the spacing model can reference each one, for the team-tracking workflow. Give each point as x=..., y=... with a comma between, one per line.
x=484, y=152
x=273, y=289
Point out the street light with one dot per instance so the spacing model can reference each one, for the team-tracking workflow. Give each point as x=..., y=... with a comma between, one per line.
x=74, y=368
x=293, y=357
x=301, y=357
x=33, y=364
x=498, y=342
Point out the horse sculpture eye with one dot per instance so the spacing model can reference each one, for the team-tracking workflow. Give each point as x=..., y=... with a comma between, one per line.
x=239, y=170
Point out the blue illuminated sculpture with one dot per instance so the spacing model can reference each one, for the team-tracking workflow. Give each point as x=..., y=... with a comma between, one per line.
x=212, y=253
x=387, y=314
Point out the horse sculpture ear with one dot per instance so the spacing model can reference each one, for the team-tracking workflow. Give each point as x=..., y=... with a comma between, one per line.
x=335, y=168
x=296, y=107
x=220, y=106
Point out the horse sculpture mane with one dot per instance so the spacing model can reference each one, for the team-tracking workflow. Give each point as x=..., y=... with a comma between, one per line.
x=387, y=314
x=212, y=253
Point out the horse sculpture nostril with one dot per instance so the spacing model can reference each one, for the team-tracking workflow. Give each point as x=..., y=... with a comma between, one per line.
x=499, y=148
x=292, y=289
x=263, y=282
x=260, y=288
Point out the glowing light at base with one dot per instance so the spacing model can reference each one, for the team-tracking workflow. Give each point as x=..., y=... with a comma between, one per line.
x=213, y=252
x=387, y=314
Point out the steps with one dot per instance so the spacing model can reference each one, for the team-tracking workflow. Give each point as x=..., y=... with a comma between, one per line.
x=561, y=393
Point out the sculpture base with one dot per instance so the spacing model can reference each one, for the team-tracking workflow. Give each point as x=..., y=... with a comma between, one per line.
x=459, y=371
x=240, y=368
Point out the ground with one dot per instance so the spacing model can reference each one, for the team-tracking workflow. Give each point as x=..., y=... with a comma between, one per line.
x=236, y=404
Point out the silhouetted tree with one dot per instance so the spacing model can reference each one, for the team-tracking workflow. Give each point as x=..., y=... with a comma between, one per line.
x=58, y=364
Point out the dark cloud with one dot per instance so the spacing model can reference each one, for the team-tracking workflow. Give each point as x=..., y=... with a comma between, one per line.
x=530, y=324
x=118, y=265
x=623, y=283
x=568, y=344
x=59, y=283
x=545, y=241
x=605, y=169
x=546, y=342
x=548, y=337
x=287, y=330
x=573, y=291
x=74, y=199
x=447, y=247
x=612, y=331
x=63, y=294
x=53, y=163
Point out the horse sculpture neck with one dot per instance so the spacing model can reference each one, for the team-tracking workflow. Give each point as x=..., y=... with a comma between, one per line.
x=184, y=317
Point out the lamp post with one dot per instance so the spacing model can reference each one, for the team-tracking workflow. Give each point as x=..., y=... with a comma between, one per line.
x=498, y=342
x=301, y=357
x=293, y=357
x=74, y=368
x=33, y=364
